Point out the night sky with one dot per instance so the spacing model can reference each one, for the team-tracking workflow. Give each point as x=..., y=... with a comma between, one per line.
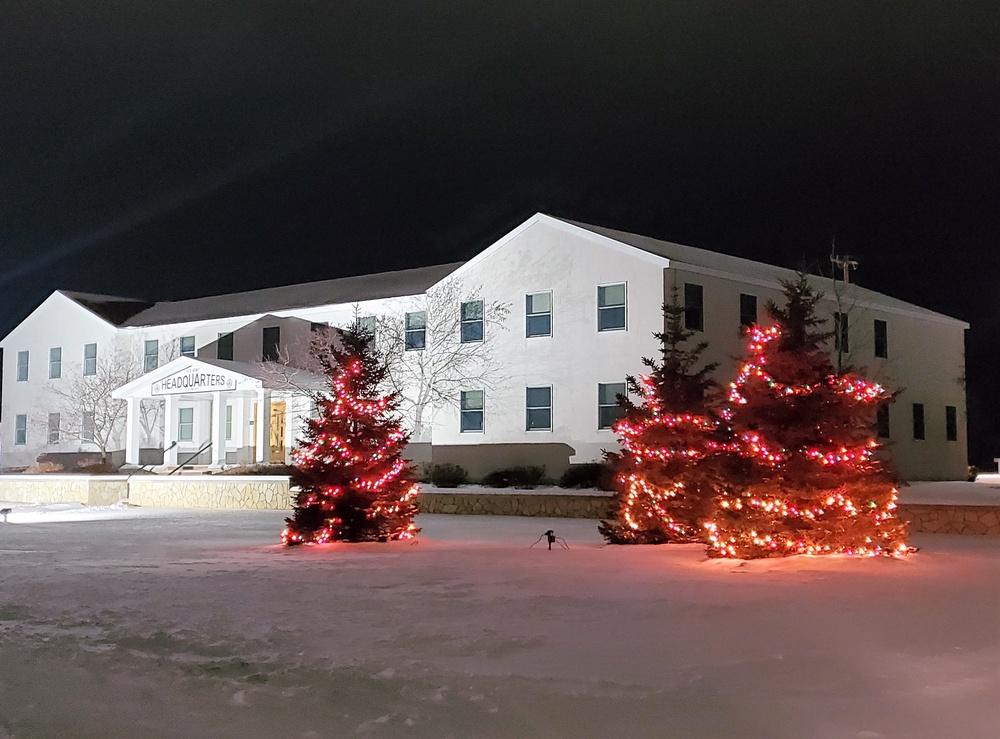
x=174, y=149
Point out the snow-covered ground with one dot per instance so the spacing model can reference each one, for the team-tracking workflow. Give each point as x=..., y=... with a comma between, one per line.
x=123, y=622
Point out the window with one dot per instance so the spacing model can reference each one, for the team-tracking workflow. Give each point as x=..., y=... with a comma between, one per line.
x=224, y=347
x=472, y=321
x=366, y=325
x=187, y=346
x=918, y=420
x=89, y=359
x=314, y=326
x=416, y=330
x=55, y=363
x=87, y=427
x=881, y=339
x=185, y=424
x=951, y=422
x=472, y=410
x=538, y=405
x=608, y=410
x=694, y=307
x=151, y=354
x=748, y=310
x=229, y=422
x=882, y=421
x=841, y=340
x=22, y=366
x=611, y=307
x=538, y=314
x=53, y=428
x=270, y=339
x=20, y=430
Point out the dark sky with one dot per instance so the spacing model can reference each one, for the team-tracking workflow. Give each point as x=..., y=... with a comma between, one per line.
x=174, y=149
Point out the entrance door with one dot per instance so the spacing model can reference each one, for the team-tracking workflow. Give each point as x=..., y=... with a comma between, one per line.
x=277, y=455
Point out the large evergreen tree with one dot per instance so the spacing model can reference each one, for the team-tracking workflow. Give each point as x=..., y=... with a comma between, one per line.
x=815, y=483
x=353, y=482
x=668, y=469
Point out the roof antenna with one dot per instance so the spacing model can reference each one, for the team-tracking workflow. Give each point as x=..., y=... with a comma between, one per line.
x=845, y=262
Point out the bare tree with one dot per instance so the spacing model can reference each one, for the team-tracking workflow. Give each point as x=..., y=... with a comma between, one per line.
x=87, y=412
x=151, y=409
x=430, y=366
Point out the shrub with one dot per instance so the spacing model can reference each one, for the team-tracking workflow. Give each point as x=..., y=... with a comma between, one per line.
x=591, y=475
x=447, y=475
x=44, y=468
x=518, y=477
x=973, y=473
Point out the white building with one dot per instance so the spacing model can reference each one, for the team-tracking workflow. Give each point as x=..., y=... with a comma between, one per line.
x=513, y=357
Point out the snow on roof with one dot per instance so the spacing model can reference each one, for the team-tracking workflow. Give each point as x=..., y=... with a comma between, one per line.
x=748, y=269
x=305, y=295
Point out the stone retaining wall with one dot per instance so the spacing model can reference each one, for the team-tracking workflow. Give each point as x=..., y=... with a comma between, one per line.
x=515, y=504
x=89, y=489
x=211, y=491
x=162, y=491
x=981, y=520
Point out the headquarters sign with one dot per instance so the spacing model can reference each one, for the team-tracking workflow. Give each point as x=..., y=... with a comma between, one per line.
x=194, y=380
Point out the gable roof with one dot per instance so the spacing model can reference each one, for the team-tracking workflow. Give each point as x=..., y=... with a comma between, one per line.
x=747, y=270
x=307, y=295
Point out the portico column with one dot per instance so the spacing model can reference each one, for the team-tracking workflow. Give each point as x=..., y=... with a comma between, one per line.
x=263, y=429
x=244, y=438
x=132, y=432
x=170, y=430
x=218, y=429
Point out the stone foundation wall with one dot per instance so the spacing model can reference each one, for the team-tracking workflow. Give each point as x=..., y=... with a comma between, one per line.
x=981, y=520
x=89, y=489
x=515, y=504
x=184, y=491
x=211, y=491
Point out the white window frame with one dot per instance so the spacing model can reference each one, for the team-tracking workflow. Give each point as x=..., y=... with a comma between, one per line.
x=623, y=306
x=22, y=376
x=21, y=429
x=463, y=322
x=151, y=359
x=529, y=408
x=187, y=353
x=89, y=363
x=231, y=340
x=55, y=362
x=529, y=313
x=700, y=307
x=601, y=406
x=229, y=421
x=87, y=427
x=182, y=424
x=470, y=412
x=55, y=421
x=419, y=330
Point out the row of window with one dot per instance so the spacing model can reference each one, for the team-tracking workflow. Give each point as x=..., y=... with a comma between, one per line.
x=55, y=362
x=918, y=416
x=185, y=426
x=538, y=407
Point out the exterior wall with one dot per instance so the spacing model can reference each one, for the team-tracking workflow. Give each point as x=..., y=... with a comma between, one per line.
x=57, y=322
x=576, y=357
x=925, y=363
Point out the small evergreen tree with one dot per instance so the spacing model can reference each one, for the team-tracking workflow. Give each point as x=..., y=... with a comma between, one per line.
x=353, y=482
x=815, y=483
x=668, y=469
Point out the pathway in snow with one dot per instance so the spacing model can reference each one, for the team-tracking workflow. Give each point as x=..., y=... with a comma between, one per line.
x=191, y=624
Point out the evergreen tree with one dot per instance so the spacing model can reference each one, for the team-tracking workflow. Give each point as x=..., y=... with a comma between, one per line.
x=668, y=469
x=816, y=484
x=353, y=482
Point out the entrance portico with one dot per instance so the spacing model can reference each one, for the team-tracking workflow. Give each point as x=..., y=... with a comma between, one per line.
x=213, y=408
